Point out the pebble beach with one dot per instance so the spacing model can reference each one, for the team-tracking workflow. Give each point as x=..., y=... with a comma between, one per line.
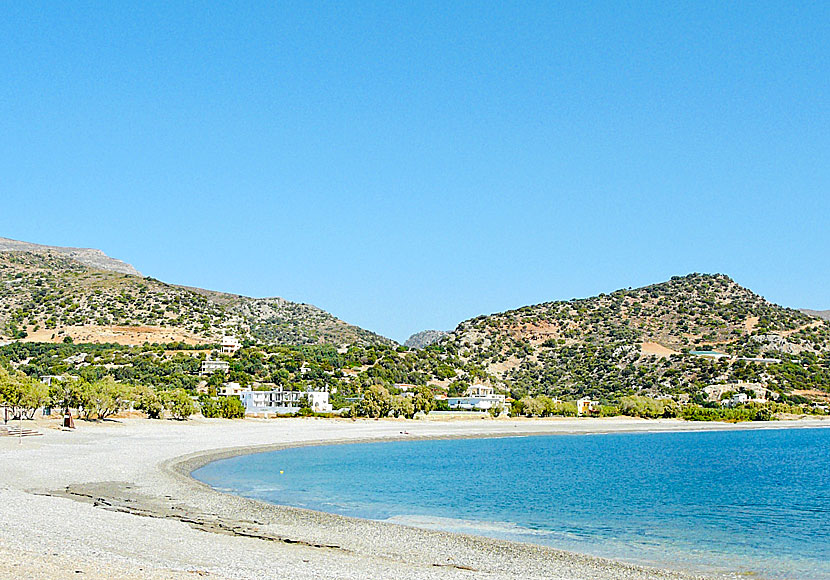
x=115, y=500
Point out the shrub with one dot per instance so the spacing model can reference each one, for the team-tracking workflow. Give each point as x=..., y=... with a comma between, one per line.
x=402, y=406
x=149, y=402
x=102, y=398
x=376, y=402
x=423, y=400
x=179, y=403
x=231, y=408
x=209, y=407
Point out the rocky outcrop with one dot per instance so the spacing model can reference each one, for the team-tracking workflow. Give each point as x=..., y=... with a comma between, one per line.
x=425, y=338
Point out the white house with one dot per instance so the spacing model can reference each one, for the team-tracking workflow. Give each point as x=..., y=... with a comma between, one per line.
x=405, y=387
x=230, y=345
x=210, y=366
x=49, y=379
x=762, y=360
x=319, y=401
x=736, y=399
x=477, y=398
x=283, y=402
x=585, y=406
x=230, y=390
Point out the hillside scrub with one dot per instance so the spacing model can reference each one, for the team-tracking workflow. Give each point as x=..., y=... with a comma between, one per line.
x=633, y=350
x=52, y=292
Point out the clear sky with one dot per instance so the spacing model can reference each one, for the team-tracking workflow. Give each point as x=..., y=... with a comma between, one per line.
x=410, y=165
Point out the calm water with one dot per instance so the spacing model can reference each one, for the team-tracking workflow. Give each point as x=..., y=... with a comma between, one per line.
x=742, y=501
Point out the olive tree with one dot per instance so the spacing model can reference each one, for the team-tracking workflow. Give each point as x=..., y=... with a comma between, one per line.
x=148, y=401
x=376, y=401
x=423, y=400
x=402, y=406
x=66, y=394
x=103, y=398
x=231, y=408
x=179, y=403
x=24, y=395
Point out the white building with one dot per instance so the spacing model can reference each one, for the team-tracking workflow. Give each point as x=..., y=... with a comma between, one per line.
x=283, y=402
x=735, y=400
x=762, y=360
x=710, y=354
x=49, y=379
x=210, y=366
x=477, y=398
x=230, y=390
x=585, y=406
x=405, y=387
x=230, y=345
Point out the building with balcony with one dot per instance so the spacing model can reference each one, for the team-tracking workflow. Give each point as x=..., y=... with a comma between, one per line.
x=477, y=398
x=284, y=402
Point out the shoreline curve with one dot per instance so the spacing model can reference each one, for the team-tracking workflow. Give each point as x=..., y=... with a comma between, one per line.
x=116, y=500
x=183, y=467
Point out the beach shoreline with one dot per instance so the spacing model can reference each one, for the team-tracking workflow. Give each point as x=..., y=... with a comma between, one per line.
x=77, y=492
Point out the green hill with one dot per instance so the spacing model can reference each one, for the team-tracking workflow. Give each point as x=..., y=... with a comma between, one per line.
x=48, y=296
x=642, y=341
x=691, y=338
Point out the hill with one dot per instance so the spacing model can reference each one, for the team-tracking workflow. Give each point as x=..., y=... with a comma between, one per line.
x=47, y=295
x=87, y=256
x=425, y=338
x=823, y=314
x=651, y=341
x=686, y=347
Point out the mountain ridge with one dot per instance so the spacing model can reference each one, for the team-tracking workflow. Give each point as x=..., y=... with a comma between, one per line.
x=50, y=296
x=91, y=257
x=823, y=314
x=425, y=338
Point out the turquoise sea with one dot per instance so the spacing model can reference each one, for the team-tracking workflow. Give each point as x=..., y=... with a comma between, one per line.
x=753, y=501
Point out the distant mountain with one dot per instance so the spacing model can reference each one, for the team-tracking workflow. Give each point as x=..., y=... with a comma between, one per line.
x=87, y=256
x=425, y=338
x=636, y=341
x=823, y=314
x=47, y=295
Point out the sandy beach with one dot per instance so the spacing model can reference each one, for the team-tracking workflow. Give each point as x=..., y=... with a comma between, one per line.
x=114, y=500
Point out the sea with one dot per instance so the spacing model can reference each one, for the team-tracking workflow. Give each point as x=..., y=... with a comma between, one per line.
x=752, y=502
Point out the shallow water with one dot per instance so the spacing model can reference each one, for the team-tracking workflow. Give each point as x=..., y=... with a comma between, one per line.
x=755, y=501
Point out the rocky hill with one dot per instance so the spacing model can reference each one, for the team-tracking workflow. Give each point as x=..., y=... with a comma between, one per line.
x=48, y=295
x=823, y=314
x=425, y=338
x=652, y=340
x=87, y=256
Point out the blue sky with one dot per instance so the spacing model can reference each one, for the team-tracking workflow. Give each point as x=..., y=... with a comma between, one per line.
x=410, y=165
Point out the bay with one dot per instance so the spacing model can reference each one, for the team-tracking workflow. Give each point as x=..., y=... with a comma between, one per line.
x=752, y=502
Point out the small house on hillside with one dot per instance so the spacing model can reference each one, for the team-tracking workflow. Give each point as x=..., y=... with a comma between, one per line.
x=230, y=345
x=405, y=387
x=230, y=390
x=210, y=366
x=735, y=400
x=761, y=360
